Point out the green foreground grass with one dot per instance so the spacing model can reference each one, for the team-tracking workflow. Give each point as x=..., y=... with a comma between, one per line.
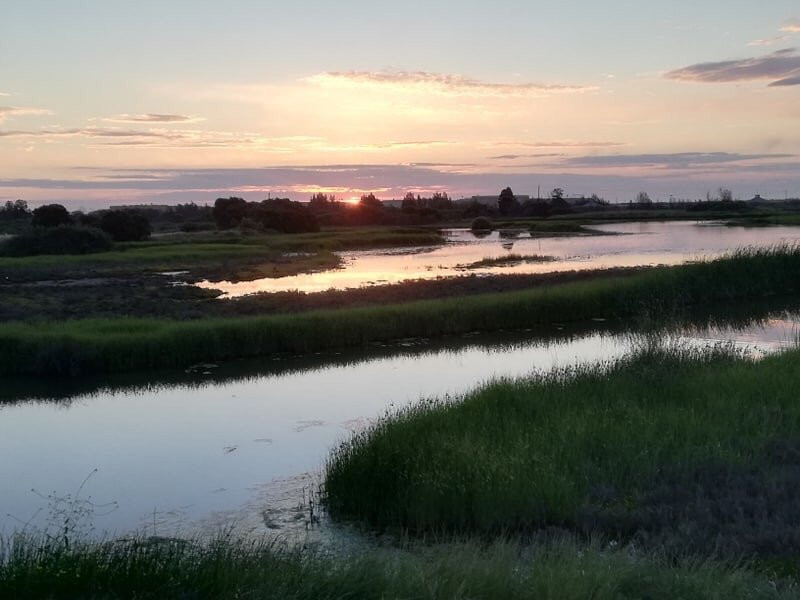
x=228, y=569
x=81, y=346
x=523, y=455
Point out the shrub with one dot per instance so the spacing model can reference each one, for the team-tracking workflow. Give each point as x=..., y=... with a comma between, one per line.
x=284, y=215
x=228, y=212
x=51, y=215
x=482, y=224
x=66, y=239
x=125, y=225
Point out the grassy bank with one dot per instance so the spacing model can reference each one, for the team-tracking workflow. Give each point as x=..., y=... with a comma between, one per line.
x=229, y=569
x=218, y=255
x=82, y=346
x=682, y=450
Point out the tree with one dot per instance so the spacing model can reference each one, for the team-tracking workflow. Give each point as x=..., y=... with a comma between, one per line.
x=439, y=201
x=284, y=215
x=725, y=195
x=228, y=212
x=557, y=194
x=319, y=200
x=643, y=198
x=51, y=215
x=507, y=202
x=371, y=201
x=14, y=210
x=125, y=225
x=409, y=203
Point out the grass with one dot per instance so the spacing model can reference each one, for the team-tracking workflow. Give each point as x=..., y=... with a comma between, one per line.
x=508, y=260
x=603, y=446
x=222, y=568
x=548, y=228
x=81, y=346
x=215, y=254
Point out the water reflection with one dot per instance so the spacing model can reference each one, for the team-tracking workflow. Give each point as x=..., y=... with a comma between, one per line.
x=635, y=244
x=207, y=450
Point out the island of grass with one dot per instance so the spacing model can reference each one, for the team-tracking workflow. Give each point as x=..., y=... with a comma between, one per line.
x=508, y=260
x=81, y=346
x=223, y=255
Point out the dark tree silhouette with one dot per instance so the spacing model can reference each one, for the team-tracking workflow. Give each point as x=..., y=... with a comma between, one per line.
x=125, y=225
x=14, y=210
x=229, y=212
x=410, y=203
x=371, y=201
x=507, y=202
x=51, y=215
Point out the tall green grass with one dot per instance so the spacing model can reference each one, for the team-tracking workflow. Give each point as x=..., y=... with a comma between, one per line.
x=520, y=455
x=96, y=346
x=166, y=569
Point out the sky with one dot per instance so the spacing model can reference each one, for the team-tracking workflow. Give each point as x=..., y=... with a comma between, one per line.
x=106, y=102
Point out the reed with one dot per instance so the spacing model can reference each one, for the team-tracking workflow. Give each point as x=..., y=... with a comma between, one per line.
x=225, y=568
x=80, y=346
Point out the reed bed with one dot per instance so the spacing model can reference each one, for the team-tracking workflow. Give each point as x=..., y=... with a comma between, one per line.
x=80, y=346
x=518, y=456
x=223, y=568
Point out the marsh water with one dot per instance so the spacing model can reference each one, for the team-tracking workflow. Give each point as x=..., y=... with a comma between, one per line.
x=241, y=445
x=624, y=245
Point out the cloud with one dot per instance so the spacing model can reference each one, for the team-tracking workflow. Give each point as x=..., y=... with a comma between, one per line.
x=679, y=160
x=556, y=144
x=791, y=26
x=152, y=118
x=517, y=156
x=768, y=41
x=104, y=187
x=21, y=111
x=782, y=67
x=438, y=83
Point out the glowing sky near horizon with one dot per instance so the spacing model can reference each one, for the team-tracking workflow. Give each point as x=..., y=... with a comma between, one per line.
x=111, y=101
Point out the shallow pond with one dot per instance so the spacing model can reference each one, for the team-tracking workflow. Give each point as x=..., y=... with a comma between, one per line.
x=627, y=245
x=241, y=445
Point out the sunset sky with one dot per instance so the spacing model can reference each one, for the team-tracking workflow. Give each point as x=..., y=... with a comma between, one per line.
x=109, y=101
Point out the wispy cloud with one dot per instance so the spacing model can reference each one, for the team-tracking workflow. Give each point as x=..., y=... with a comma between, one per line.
x=679, y=160
x=153, y=118
x=555, y=144
x=439, y=83
x=792, y=26
x=782, y=67
x=769, y=41
x=6, y=112
x=518, y=156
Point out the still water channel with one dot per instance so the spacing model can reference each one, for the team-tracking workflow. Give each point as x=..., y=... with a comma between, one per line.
x=241, y=444
x=625, y=245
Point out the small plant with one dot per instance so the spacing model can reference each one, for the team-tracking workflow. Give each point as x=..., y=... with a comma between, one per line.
x=482, y=224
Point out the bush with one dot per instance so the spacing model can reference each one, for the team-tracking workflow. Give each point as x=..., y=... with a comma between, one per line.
x=482, y=224
x=51, y=215
x=195, y=226
x=125, y=225
x=284, y=215
x=66, y=239
x=228, y=212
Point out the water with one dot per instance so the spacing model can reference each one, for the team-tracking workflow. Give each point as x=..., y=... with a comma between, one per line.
x=633, y=244
x=243, y=445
